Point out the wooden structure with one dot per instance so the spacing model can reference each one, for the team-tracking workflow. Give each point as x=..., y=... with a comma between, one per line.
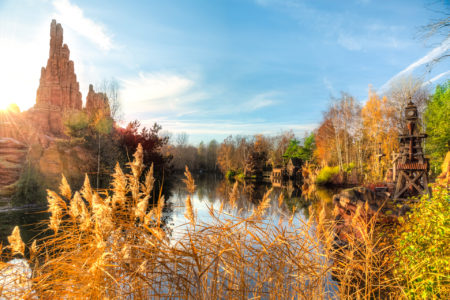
x=411, y=167
x=293, y=167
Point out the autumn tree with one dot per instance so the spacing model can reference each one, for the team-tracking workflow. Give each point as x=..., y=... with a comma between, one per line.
x=211, y=155
x=336, y=134
x=225, y=154
x=133, y=134
x=279, y=143
x=381, y=132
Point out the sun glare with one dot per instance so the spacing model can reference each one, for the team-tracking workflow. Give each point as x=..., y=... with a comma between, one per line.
x=9, y=107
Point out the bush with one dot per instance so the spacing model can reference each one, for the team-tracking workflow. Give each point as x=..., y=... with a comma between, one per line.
x=234, y=174
x=423, y=252
x=230, y=174
x=326, y=175
x=30, y=188
x=348, y=167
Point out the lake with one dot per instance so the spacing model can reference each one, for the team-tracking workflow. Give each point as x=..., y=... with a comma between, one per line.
x=211, y=191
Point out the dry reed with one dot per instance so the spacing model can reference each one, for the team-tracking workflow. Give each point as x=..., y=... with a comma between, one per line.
x=113, y=246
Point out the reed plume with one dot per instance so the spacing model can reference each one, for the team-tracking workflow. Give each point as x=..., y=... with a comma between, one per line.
x=189, y=181
x=15, y=242
x=263, y=205
x=234, y=195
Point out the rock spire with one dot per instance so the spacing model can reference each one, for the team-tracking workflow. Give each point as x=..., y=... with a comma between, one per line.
x=97, y=102
x=58, y=86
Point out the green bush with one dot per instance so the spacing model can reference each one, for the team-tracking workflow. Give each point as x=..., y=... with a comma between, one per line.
x=436, y=118
x=240, y=176
x=348, y=167
x=422, y=248
x=326, y=174
x=230, y=174
x=30, y=188
x=234, y=174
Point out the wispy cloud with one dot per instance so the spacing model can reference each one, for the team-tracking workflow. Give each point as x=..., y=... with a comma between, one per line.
x=343, y=27
x=428, y=58
x=349, y=42
x=329, y=85
x=260, y=101
x=225, y=127
x=437, y=77
x=74, y=18
x=159, y=92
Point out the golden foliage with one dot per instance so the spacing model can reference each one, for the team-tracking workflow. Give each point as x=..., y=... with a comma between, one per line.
x=189, y=181
x=106, y=249
x=234, y=194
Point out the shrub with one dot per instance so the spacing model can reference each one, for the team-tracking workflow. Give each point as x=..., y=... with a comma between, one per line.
x=234, y=174
x=423, y=252
x=348, y=167
x=30, y=187
x=326, y=175
x=230, y=174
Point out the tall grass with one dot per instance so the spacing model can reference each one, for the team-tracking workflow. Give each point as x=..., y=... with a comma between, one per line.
x=111, y=245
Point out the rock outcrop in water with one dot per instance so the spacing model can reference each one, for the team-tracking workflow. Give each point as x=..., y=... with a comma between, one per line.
x=38, y=135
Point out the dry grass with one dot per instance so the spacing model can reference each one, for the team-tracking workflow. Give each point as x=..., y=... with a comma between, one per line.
x=111, y=245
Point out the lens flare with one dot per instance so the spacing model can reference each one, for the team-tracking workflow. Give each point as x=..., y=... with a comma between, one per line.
x=9, y=107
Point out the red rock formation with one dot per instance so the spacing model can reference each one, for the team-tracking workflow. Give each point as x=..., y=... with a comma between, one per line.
x=36, y=135
x=97, y=102
x=58, y=89
x=12, y=156
x=58, y=86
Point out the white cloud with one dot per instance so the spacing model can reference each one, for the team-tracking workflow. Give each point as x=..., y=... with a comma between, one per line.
x=428, y=58
x=74, y=18
x=227, y=127
x=158, y=92
x=437, y=77
x=259, y=101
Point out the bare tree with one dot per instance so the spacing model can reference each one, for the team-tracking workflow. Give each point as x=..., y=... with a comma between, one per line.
x=438, y=28
x=404, y=89
x=280, y=144
x=182, y=139
x=111, y=88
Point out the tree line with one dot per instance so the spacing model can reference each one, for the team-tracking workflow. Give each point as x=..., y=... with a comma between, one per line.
x=353, y=136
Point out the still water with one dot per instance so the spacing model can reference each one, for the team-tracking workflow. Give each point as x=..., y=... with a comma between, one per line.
x=211, y=191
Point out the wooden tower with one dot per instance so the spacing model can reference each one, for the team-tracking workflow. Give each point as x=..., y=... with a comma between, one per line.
x=411, y=166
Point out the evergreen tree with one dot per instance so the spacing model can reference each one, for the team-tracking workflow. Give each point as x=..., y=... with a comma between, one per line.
x=437, y=122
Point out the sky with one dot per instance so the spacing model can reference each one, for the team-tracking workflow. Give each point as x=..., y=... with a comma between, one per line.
x=218, y=68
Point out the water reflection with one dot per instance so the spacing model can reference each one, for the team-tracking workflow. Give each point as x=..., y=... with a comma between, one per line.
x=29, y=222
x=213, y=191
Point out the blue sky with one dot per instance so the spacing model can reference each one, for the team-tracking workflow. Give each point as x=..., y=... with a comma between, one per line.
x=214, y=68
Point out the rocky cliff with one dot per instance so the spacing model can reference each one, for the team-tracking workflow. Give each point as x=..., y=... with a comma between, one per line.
x=38, y=135
x=12, y=156
x=97, y=102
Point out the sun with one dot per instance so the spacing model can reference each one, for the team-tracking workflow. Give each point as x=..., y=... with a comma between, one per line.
x=9, y=107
